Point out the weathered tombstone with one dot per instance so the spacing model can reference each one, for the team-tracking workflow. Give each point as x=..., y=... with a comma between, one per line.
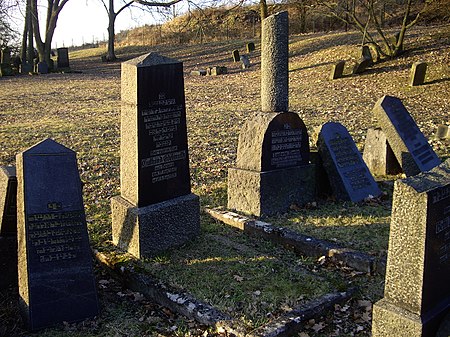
x=418, y=71
x=378, y=154
x=5, y=62
x=199, y=72
x=8, y=198
x=272, y=167
x=409, y=145
x=215, y=71
x=250, y=47
x=62, y=60
x=25, y=68
x=443, y=132
x=337, y=70
x=365, y=53
x=156, y=209
x=349, y=176
x=361, y=65
x=56, y=281
x=417, y=292
x=236, y=56
x=42, y=67
x=245, y=61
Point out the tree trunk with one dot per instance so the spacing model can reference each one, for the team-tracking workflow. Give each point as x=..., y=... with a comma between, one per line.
x=23, y=53
x=263, y=9
x=111, y=55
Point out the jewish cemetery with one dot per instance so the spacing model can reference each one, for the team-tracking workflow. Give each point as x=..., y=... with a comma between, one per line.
x=225, y=169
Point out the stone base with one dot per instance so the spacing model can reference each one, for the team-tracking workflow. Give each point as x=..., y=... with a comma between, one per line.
x=150, y=230
x=267, y=193
x=390, y=320
x=8, y=261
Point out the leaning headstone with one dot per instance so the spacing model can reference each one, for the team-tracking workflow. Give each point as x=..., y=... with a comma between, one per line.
x=42, y=67
x=250, y=47
x=245, y=62
x=236, y=56
x=418, y=72
x=62, y=60
x=365, y=53
x=349, y=176
x=56, y=281
x=443, y=132
x=8, y=198
x=361, y=65
x=417, y=292
x=409, y=145
x=156, y=209
x=378, y=154
x=337, y=70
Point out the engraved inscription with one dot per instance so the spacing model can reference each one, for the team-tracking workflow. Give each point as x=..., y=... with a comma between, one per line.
x=285, y=147
x=442, y=224
x=55, y=236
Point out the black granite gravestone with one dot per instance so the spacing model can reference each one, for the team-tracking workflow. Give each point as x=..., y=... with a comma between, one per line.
x=8, y=198
x=62, y=60
x=56, y=281
x=286, y=143
x=409, y=145
x=349, y=176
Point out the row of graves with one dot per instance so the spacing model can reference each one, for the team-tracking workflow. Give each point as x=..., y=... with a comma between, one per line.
x=43, y=213
x=10, y=66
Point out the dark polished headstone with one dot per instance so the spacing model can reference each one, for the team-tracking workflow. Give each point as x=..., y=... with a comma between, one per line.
x=349, y=176
x=56, y=281
x=409, y=145
x=8, y=201
x=62, y=60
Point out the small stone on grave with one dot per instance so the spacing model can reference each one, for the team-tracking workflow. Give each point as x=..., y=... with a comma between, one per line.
x=56, y=280
x=337, y=70
x=8, y=200
x=245, y=62
x=250, y=47
x=443, y=132
x=349, y=176
x=410, y=147
x=418, y=72
x=236, y=55
x=416, y=295
x=215, y=71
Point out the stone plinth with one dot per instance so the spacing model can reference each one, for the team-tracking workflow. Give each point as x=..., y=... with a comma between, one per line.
x=417, y=296
x=274, y=63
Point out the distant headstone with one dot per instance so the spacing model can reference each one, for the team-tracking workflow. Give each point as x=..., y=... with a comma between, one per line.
x=218, y=70
x=417, y=292
x=409, y=145
x=199, y=72
x=56, y=281
x=8, y=199
x=156, y=210
x=349, y=176
x=337, y=70
x=5, y=62
x=274, y=63
x=365, y=53
x=361, y=65
x=272, y=166
x=236, y=56
x=62, y=60
x=250, y=47
x=26, y=68
x=443, y=132
x=378, y=154
x=418, y=71
x=245, y=61
x=42, y=67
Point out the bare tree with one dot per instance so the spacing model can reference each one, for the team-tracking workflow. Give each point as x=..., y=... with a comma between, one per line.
x=7, y=33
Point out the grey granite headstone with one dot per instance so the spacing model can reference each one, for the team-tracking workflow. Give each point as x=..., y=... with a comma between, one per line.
x=378, y=155
x=349, y=176
x=274, y=63
x=156, y=210
x=417, y=292
x=250, y=47
x=418, y=72
x=337, y=70
x=56, y=281
x=272, y=166
x=62, y=60
x=236, y=55
x=8, y=201
x=245, y=61
x=409, y=145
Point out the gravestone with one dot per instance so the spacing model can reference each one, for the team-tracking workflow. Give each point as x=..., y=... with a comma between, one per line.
x=250, y=47
x=337, y=70
x=365, y=53
x=245, y=62
x=236, y=56
x=8, y=198
x=62, y=60
x=272, y=167
x=349, y=176
x=5, y=62
x=215, y=71
x=361, y=65
x=378, y=155
x=56, y=281
x=418, y=71
x=443, y=132
x=417, y=292
x=409, y=145
x=199, y=72
x=156, y=209
x=42, y=68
